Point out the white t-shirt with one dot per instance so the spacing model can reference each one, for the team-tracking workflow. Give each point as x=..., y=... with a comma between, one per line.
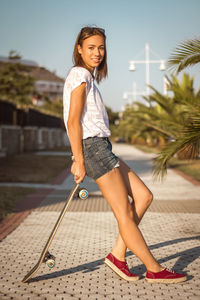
x=94, y=118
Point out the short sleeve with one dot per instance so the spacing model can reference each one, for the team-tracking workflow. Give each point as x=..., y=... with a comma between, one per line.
x=79, y=75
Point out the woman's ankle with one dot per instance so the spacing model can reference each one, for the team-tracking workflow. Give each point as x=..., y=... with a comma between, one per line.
x=119, y=256
x=155, y=268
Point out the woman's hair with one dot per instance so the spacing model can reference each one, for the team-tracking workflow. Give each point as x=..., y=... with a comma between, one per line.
x=86, y=32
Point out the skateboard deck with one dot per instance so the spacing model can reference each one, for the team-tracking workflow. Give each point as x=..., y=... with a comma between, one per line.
x=45, y=256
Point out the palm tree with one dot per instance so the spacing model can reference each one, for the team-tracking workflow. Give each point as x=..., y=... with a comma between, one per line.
x=189, y=141
x=181, y=120
x=174, y=118
x=186, y=54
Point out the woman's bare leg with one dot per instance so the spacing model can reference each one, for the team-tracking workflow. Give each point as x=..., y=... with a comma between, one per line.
x=115, y=192
x=142, y=198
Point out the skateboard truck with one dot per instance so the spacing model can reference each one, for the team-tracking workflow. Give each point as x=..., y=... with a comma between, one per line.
x=49, y=260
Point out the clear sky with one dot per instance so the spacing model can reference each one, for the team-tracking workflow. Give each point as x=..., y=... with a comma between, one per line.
x=45, y=31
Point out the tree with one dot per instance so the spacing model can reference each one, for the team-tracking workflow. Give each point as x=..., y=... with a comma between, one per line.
x=174, y=120
x=185, y=128
x=112, y=116
x=53, y=107
x=186, y=54
x=15, y=83
x=14, y=55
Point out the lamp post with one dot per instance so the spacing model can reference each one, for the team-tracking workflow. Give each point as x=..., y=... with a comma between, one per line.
x=147, y=61
x=134, y=93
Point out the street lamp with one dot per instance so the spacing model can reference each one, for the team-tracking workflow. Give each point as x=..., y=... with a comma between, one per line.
x=147, y=61
x=134, y=93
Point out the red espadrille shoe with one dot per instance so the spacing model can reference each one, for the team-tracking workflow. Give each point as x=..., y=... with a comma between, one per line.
x=120, y=268
x=165, y=276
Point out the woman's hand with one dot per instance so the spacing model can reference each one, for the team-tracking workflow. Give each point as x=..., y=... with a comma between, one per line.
x=78, y=170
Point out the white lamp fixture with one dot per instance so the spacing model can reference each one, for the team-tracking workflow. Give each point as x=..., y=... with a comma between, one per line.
x=132, y=66
x=162, y=66
x=125, y=96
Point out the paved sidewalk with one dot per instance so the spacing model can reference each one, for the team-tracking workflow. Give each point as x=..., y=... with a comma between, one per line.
x=171, y=228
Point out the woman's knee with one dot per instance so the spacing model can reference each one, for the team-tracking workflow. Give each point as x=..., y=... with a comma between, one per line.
x=148, y=198
x=144, y=200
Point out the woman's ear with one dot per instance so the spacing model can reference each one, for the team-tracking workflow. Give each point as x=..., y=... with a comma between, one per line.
x=79, y=49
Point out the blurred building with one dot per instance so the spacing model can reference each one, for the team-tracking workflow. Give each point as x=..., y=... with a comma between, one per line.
x=47, y=83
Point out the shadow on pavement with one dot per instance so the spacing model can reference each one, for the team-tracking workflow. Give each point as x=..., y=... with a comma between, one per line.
x=184, y=259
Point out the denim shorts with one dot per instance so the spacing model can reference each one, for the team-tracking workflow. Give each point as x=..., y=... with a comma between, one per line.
x=98, y=157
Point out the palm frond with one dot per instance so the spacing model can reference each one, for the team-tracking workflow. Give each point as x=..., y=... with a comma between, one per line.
x=188, y=141
x=186, y=54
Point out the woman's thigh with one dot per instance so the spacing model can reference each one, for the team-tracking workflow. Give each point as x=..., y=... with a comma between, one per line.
x=115, y=192
x=136, y=188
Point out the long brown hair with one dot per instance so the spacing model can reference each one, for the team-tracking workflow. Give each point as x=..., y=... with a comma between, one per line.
x=86, y=32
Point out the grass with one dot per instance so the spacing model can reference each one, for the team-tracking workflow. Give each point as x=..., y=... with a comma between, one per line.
x=58, y=149
x=9, y=197
x=27, y=167
x=189, y=167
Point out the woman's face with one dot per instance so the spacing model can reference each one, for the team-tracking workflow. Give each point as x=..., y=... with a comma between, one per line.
x=92, y=51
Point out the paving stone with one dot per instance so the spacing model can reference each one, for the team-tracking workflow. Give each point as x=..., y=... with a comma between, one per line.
x=98, y=203
x=81, y=243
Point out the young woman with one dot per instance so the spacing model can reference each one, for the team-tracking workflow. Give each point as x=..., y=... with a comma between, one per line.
x=87, y=125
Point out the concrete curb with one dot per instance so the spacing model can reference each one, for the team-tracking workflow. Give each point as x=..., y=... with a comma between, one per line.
x=10, y=223
x=187, y=177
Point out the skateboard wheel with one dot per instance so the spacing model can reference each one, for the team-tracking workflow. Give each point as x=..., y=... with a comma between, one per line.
x=83, y=193
x=49, y=260
x=50, y=263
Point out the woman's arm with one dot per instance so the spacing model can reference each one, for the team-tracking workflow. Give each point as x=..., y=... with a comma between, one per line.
x=77, y=102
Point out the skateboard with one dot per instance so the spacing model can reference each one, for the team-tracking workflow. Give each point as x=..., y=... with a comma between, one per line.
x=45, y=256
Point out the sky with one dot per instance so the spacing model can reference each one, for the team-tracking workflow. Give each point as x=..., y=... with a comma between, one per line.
x=45, y=31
